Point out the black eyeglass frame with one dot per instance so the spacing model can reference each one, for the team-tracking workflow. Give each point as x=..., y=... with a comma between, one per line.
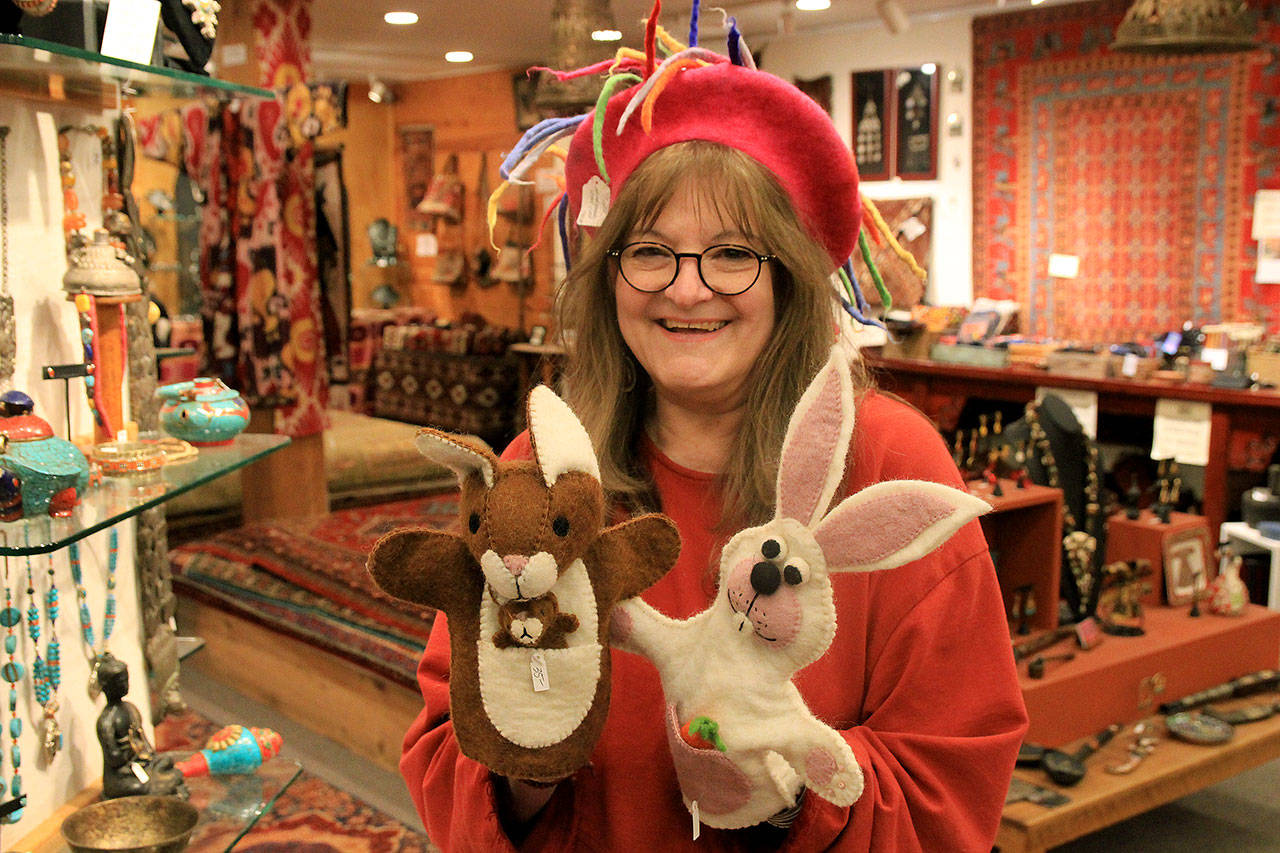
x=761, y=260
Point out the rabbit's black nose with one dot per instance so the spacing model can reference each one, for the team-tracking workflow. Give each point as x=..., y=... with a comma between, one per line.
x=765, y=578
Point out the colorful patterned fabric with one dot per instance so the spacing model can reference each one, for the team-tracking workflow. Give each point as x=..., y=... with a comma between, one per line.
x=1143, y=166
x=311, y=815
x=475, y=394
x=307, y=579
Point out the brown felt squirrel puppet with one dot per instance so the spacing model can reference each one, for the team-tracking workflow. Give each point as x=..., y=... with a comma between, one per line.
x=533, y=543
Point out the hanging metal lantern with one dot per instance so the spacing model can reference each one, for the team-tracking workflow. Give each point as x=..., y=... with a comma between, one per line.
x=572, y=23
x=1186, y=26
x=97, y=269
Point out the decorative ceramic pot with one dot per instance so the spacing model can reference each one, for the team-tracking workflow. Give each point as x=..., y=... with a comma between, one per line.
x=203, y=411
x=50, y=473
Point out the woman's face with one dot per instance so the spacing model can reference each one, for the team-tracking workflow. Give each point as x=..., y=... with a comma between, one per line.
x=697, y=346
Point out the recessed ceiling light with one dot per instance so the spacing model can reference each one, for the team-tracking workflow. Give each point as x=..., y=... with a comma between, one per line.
x=813, y=5
x=459, y=56
x=606, y=35
x=401, y=18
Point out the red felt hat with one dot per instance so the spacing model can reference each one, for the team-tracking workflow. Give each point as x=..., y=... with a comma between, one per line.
x=750, y=110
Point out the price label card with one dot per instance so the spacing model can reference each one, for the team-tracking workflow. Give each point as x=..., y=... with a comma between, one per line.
x=538, y=671
x=130, y=32
x=1181, y=431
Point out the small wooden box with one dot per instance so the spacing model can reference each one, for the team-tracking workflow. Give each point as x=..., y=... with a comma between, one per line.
x=1092, y=365
x=969, y=354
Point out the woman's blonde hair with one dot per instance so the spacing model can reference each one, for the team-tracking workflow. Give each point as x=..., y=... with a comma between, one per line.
x=611, y=392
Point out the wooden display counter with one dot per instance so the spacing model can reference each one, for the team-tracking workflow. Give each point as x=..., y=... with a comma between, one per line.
x=1124, y=678
x=1244, y=427
x=1174, y=769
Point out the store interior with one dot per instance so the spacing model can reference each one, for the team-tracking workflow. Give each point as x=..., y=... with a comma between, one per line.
x=246, y=260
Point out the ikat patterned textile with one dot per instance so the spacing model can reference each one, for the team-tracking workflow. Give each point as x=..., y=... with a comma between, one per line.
x=306, y=578
x=259, y=275
x=1143, y=166
x=471, y=394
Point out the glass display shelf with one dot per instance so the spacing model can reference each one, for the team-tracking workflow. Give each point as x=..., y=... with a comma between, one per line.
x=118, y=498
x=47, y=69
x=229, y=806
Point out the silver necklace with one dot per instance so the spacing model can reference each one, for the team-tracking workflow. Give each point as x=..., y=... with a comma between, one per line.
x=8, y=326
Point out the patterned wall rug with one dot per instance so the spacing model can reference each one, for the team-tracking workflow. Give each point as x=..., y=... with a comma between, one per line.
x=1143, y=167
x=311, y=816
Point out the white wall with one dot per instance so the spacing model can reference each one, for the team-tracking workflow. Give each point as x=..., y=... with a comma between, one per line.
x=949, y=44
x=48, y=333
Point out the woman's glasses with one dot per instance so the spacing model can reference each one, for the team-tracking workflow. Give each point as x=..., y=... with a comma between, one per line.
x=726, y=269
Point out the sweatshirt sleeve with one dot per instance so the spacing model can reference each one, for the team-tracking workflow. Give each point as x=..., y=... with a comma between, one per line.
x=938, y=744
x=453, y=794
x=942, y=713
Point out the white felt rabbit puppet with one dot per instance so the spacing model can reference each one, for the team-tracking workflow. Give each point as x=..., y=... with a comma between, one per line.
x=730, y=666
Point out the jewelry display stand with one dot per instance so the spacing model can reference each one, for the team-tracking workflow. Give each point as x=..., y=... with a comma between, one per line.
x=47, y=86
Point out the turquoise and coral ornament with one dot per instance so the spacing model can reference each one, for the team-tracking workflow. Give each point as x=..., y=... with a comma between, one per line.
x=51, y=472
x=232, y=749
x=203, y=411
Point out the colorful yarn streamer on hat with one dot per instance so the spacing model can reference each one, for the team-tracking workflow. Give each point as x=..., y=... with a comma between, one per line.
x=650, y=101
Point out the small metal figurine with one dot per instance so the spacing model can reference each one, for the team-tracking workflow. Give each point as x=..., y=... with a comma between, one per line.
x=992, y=473
x=1120, y=604
x=1024, y=607
x=130, y=764
x=1018, y=466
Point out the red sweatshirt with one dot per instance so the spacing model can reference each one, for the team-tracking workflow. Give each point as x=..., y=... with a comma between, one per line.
x=920, y=678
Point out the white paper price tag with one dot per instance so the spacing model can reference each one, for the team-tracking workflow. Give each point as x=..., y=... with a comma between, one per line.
x=538, y=671
x=697, y=821
x=142, y=775
x=130, y=31
x=1181, y=431
x=595, y=203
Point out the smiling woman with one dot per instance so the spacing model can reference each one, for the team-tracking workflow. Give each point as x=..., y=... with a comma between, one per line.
x=703, y=234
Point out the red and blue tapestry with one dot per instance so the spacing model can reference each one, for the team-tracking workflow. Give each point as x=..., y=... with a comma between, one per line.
x=1144, y=167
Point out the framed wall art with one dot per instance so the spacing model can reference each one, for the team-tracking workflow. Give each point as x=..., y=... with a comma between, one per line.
x=819, y=88
x=872, y=124
x=417, y=148
x=1186, y=565
x=524, y=89
x=915, y=132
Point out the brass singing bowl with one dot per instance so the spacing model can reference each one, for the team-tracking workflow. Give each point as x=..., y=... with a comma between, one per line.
x=143, y=824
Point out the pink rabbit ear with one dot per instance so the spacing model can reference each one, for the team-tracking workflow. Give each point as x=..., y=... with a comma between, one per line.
x=892, y=523
x=457, y=455
x=817, y=440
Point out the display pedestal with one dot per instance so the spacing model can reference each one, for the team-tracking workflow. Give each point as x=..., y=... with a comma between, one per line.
x=1024, y=532
x=1125, y=678
x=1246, y=540
x=1145, y=538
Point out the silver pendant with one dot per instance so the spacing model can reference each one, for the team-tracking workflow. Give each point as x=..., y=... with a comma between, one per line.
x=51, y=734
x=95, y=686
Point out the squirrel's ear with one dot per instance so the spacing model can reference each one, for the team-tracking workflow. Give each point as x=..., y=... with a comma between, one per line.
x=457, y=454
x=560, y=442
x=813, y=452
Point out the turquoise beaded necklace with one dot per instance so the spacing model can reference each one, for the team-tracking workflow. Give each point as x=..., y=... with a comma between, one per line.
x=109, y=613
x=46, y=672
x=12, y=671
